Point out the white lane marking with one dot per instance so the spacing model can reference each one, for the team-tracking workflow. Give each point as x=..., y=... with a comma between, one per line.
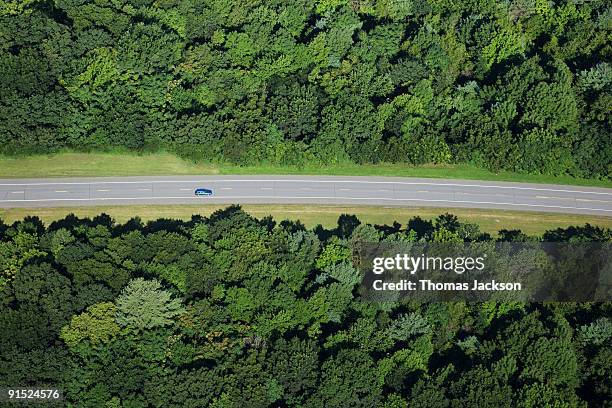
x=344, y=189
x=186, y=189
x=309, y=198
x=225, y=188
x=17, y=192
x=102, y=190
x=61, y=191
x=599, y=201
x=384, y=190
x=482, y=194
x=407, y=183
x=554, y=198
x=144, y=189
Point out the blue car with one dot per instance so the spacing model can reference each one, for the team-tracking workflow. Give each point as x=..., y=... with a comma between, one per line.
x=203, y=192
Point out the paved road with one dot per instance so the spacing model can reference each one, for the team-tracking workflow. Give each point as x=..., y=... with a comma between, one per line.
x=306, y=190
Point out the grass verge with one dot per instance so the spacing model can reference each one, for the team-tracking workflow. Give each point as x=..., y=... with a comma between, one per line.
x=489, y=220
x=155, y=164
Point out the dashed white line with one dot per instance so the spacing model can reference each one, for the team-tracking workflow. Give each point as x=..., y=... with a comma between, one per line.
x=17, y=192
x=186, y=189
x=102, y=191
x=225, y=188
x=481, y=194
x=61, y=191
x=554, y=198
x=589, y=200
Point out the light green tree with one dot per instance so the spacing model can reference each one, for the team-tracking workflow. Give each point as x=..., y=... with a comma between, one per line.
x=96, y=326
x=143, y=305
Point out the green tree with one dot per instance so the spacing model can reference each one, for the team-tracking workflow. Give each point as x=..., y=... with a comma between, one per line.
x=144, y=305
x=95, y=326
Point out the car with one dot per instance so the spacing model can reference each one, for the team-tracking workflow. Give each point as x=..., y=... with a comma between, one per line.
x=203, y=192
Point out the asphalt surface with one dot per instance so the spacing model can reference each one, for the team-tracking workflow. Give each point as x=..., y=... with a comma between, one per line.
x=344, y=190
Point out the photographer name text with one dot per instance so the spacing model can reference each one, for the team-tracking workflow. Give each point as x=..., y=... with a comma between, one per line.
x=428, y=285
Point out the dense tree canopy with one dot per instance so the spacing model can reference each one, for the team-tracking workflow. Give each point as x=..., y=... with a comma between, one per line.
x=232, y=311
x=523, y=85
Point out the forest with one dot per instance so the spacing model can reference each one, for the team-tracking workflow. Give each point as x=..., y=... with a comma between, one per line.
x=234, y=311
x=520, y=85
